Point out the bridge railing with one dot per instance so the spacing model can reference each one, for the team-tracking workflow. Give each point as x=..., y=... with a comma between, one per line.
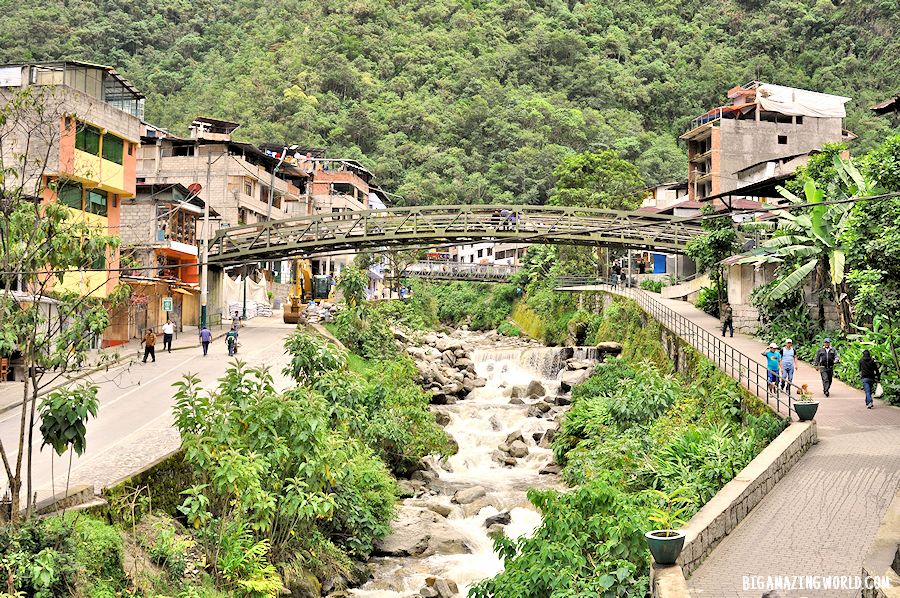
x=748, y=372
x=422, y=225
x=461, y=271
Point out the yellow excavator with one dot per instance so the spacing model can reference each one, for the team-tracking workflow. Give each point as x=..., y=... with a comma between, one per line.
x=305, y=288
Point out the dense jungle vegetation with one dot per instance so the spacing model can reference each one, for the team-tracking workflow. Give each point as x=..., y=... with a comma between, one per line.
x=470, y=101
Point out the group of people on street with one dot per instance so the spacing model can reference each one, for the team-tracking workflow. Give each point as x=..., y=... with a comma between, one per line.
x=148, y=341
x=781, y=363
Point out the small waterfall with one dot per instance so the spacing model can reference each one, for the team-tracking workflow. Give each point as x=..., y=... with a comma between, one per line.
x=547, y=362
x=591, y=353
x=483, y=355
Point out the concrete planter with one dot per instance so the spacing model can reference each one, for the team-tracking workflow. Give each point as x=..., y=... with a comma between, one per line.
x=806, y=410
x=665, y=545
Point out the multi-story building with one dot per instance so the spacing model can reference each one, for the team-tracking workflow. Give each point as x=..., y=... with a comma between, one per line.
x=86, y=156
x=764, y=123
x=236, y=177
x=161, y=230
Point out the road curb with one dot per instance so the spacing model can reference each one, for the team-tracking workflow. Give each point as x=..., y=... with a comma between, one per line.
x=88, y=372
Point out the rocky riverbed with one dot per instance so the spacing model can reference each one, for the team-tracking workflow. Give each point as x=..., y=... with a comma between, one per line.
x=501, y=400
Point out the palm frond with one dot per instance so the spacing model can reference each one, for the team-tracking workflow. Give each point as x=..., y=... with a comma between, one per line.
x=792, y=281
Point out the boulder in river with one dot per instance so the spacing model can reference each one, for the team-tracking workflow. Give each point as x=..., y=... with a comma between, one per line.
x=609, y=347
x=572, y=378
x=500, y=518
x=535, y=389
x=419, y=531
x=468, y=495
x=518, y=449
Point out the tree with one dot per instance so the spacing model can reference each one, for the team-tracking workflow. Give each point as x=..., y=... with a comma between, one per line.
x=718, y=241
x=598, y=180
x=399, y=261
x=40, y=242
x=813, y=242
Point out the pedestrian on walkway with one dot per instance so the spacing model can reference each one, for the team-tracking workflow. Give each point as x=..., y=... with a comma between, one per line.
x=788, y=365
x=773, y=366
x=870, y=375
x=236, y=322
x=205, y=338
x=168, y=333
x=727, y=315
x=826, y=357
x=231, y=342
x=149, y=342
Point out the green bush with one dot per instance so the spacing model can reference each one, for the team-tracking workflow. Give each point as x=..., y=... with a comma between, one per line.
x=652, y=285
x=363, y=331
x=708, y=300
x=387, y=411
x=311, y=355
x=509, y=329
x=59, y=556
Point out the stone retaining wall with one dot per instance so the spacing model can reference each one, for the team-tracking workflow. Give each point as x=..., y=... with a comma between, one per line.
x=883, y=559
x=730, y=505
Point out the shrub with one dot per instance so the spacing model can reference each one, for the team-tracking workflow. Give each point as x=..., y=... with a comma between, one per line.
x=652, y=285
x=362, y=331
x=708, y=300
x=311, y=355
x=509, y=329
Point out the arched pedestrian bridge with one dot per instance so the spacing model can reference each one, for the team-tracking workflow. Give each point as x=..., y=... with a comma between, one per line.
x=424, y=226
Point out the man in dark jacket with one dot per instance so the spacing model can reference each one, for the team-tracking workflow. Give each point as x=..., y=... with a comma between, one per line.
x=869, y=374
x=826, y=357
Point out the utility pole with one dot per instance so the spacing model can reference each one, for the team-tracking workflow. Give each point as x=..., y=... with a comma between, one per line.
x=204, y=268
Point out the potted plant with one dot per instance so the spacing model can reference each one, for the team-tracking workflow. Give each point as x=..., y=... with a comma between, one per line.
x=804, y=405
x=666, y=543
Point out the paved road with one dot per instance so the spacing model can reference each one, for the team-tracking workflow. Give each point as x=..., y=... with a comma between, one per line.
x=134, y=424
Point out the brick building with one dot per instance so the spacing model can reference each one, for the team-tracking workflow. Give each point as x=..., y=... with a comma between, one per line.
x=161, y=229
x=86, y=159
x=729, y=146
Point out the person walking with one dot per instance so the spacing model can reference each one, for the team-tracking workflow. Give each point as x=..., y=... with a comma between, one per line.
x=788, y=354
x=236, y=322
x=149, y=342
x=826, y=357
x=727, y=315
x=168, y=333
x=205, y=338
x=773, y=366
x=231, y=342
x=870, y=376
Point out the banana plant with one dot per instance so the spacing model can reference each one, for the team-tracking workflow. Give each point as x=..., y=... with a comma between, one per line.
x=810, y=242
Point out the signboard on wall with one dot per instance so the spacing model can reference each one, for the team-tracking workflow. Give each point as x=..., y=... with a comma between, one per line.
x=168, y=304
x=11, y=76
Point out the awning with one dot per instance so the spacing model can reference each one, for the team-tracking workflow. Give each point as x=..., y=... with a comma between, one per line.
x=182, y=291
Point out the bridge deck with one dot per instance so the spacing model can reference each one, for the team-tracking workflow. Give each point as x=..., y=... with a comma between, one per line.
x=434, y=225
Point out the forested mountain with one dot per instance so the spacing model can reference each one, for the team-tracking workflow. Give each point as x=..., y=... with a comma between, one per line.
x=469, y=100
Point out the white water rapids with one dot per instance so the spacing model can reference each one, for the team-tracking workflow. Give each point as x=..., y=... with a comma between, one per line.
x=479, y=424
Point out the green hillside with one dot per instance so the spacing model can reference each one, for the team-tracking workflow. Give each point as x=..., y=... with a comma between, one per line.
x=470, y=100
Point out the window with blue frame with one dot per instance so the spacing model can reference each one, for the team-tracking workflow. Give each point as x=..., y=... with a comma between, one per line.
x=95, y=202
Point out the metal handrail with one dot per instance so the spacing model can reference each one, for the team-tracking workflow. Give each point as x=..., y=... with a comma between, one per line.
x=748, y=372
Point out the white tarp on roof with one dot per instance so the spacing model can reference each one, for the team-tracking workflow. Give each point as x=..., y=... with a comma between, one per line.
x=800, y=102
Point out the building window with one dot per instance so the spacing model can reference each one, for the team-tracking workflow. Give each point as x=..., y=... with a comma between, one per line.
x=248, y=187
x=112, y=148
x=130, y=148
x=69, y=194
x=95, y=202
x=782, y=140
x=87, y=139
x=798, y=120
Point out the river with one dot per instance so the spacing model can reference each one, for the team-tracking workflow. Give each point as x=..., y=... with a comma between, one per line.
x=479, y=424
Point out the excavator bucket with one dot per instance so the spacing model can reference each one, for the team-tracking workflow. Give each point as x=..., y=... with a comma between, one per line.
x=293, y=313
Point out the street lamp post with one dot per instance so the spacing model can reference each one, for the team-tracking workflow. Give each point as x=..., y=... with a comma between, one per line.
x=204, y=267
x=271, y=199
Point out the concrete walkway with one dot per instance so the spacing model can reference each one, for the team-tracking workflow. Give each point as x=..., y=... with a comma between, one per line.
x=821, y=518
x=132, y=351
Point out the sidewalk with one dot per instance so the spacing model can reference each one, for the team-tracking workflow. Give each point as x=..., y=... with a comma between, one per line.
x=820, y=519
x=111, y=357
